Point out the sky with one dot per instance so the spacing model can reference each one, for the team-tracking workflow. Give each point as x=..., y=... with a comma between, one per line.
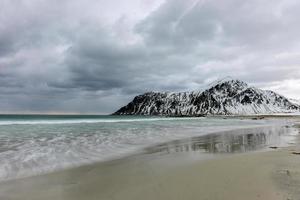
x=78, y=56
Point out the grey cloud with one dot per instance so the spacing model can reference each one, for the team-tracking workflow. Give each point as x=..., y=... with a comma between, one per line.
x=229, y=23
x=179, y=22
x=5, y=46
x=55, y=57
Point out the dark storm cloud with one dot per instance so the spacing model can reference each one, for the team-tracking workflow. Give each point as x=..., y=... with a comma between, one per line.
x=70, y=56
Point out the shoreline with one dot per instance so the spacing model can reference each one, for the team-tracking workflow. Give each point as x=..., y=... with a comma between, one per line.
x=254, y=175
x=156, y=147
x=240, y=125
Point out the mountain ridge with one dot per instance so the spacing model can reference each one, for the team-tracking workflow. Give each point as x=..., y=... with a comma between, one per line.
x=225, y=97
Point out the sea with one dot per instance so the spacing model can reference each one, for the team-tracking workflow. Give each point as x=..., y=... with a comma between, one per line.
x=37, y=144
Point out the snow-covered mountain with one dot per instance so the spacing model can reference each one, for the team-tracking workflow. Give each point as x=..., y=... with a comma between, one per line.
x=227, y=97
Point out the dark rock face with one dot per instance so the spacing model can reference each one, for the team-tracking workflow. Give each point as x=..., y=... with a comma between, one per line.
x=230, y=97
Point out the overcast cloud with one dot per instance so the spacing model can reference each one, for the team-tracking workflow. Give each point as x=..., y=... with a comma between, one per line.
x=78, y=56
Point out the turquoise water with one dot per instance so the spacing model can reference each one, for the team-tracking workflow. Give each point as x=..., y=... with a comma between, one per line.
x=34, y=144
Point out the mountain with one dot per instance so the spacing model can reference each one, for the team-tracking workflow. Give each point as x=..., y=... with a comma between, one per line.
x=227, y=97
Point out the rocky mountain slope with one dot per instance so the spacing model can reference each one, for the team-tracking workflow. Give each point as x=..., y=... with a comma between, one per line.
x=228, y=97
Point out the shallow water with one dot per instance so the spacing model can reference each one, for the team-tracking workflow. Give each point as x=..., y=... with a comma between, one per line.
x=234, y=141
x=32, y=144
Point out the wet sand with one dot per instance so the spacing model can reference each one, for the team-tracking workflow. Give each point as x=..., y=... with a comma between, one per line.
x=230, y=165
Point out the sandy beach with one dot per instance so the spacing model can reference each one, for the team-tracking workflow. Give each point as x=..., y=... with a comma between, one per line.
x=170, y=173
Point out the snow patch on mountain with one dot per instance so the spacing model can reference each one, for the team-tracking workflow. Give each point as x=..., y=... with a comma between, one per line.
x=295, y=101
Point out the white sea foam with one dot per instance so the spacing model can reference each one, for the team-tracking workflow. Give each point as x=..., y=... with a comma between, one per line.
x=78, y=121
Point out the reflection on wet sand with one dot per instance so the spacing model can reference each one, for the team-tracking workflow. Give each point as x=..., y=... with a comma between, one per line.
x=236, y=141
